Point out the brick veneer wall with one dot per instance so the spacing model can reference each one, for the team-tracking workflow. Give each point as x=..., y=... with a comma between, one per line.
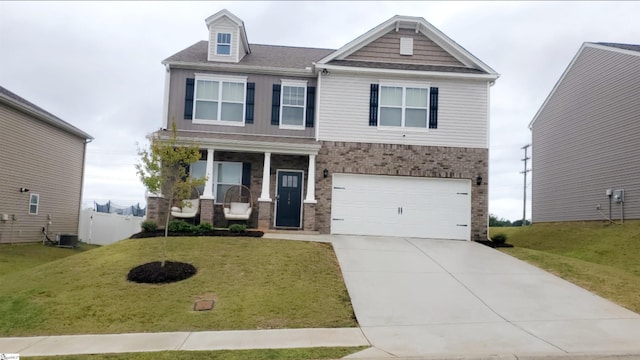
x=157, y=208
x=404, y=160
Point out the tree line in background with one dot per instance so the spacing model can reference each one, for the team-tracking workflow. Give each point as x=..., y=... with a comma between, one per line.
x=502, y=222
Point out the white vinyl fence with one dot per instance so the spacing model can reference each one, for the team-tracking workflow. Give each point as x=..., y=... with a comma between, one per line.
x=103, y=228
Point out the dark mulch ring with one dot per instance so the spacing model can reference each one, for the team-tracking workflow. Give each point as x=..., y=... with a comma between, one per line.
x=492, y=244
x=155, y=273
x=216, y=232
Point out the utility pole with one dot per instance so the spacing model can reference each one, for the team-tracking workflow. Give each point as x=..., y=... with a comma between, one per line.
x=524, y=205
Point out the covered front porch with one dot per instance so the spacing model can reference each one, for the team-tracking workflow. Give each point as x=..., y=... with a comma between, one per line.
x=279, y=173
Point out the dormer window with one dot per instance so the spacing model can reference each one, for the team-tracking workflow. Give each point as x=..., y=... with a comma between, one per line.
x=223, y=45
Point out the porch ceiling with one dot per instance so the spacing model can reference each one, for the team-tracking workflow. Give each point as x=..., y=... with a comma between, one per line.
x=249, y=143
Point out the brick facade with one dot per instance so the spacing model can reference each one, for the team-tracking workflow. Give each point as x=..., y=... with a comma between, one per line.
x=404, y=160
x=357, y=158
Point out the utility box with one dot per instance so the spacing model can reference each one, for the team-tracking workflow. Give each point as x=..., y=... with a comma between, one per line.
x=618, y=196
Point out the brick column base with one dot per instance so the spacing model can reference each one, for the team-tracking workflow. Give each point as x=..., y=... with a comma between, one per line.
x=309, y=218
x=157, y=208
x=206, y=211
x=264, y=215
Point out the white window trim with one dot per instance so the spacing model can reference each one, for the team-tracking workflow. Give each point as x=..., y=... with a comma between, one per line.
x=404, y=86
x=230, y=42
x=293, y=83
x=220, y=79
x=220, y=199
x=37, y=204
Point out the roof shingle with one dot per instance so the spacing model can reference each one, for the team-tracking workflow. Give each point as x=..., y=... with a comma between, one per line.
x=285, y=57
x=621, y=46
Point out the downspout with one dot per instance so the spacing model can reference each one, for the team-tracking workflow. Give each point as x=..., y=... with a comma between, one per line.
x=165, y=101
x=489, y=85
x=84, y=161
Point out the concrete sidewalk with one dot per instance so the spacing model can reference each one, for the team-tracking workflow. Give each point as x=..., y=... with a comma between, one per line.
x=189, y=341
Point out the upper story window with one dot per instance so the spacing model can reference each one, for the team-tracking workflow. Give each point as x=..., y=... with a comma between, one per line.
x=34, y=202
x=403, y=106
x=223, y=44
x=219, y=100
x=292, y=114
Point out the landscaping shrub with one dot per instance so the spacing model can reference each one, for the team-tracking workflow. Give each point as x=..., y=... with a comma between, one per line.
x=238, y=228
x=181, y=227
x=204, y=227
x=148, y=226
x=499, y=238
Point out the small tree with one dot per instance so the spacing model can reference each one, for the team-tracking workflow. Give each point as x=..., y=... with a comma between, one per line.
x=163, y=169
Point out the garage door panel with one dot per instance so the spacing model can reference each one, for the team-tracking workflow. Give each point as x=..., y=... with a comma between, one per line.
x=401, y=206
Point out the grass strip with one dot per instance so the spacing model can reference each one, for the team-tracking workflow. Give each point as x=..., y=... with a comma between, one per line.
x=284, y=354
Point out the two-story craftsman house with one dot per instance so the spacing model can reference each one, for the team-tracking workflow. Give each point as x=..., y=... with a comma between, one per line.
x=388, y=135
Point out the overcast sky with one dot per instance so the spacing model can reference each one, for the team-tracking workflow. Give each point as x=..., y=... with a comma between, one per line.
x=97, y=65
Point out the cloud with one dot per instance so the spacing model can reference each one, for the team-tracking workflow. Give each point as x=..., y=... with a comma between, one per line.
x=97, y=64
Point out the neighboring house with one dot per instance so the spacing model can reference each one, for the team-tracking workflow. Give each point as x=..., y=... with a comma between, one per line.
x=388, y=135
x=42, y=166
x=586, y=138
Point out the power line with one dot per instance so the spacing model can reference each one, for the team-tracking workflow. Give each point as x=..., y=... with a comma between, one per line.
x=525, y=171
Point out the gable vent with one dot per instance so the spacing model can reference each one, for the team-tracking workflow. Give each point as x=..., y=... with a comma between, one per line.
x=406, y=46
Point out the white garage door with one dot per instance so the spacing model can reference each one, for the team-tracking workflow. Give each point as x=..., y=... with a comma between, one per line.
x=401, y=206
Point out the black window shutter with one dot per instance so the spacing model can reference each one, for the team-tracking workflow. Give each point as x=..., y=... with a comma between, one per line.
x=249, y=103
x=275, y=105
x=311, y=105
x=433, y=110
x=373, y=106
x=246, y=174
x=188, y=99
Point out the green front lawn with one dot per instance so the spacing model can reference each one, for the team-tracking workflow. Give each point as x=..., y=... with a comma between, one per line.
x=284, y=354
x=17, y=257
x=259, y=284
x=600, y=257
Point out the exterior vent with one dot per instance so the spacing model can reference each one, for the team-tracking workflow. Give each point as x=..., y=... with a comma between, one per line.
x=406, y=46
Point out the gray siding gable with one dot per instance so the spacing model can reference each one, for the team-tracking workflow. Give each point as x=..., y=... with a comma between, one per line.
x=30, y=108
x=585, y=138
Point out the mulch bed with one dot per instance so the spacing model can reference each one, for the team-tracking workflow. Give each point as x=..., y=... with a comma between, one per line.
x=155, y=273
x=492, y=244
x=216, y=232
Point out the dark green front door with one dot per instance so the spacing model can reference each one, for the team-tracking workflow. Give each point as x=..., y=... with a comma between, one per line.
x=289, y=199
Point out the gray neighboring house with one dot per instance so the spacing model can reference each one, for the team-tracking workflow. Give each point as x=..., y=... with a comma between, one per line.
x=42, y=169
x=387, y=135
x=586, y=138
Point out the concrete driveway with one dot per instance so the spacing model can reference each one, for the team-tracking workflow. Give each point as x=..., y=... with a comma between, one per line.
x=421, y=297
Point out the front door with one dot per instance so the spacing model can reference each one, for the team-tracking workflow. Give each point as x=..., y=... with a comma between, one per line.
x=289, y=199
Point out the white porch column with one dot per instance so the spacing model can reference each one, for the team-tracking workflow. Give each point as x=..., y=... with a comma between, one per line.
x=266, y=176
x=311, y=181
x=208, y=186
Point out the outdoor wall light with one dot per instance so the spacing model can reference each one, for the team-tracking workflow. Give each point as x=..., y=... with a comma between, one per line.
x=325, y=172
x=479, y=180
x=23, y=190
x=324, y=72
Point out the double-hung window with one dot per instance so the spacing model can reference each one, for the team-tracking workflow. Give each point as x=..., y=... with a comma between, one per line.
x=227, y=175
x=219, y=100
x=223, y=44
x=404, y=106
x=34, y=202
x=294, y=98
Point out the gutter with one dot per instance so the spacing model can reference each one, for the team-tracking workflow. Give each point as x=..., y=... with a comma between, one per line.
x=268, y=70
x=378, y=71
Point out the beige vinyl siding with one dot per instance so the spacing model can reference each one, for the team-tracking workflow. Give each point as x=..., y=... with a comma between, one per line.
x=587, y=140
x=462, y=114
x=49, y=162
x=262, y=107
x=224, y=26
x=387, y=49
